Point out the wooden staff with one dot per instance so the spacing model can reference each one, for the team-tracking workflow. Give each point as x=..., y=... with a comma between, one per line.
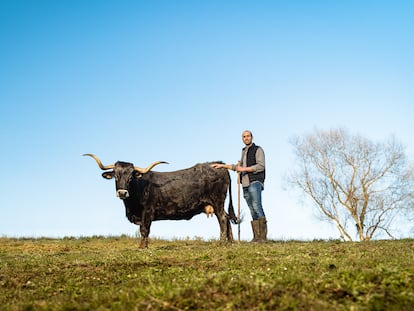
x=238, y=204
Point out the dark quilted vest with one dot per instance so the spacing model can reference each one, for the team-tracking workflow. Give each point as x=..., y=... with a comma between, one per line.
x=251, y=160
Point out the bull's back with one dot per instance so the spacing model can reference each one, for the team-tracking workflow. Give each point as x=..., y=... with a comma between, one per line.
x=201, y=173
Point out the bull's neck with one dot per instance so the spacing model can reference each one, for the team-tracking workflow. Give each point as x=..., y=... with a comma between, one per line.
x=133, y=206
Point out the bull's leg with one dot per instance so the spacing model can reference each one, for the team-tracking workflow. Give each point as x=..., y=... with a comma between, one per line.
x=229, y=231
x=145, y=230
x=225, y=227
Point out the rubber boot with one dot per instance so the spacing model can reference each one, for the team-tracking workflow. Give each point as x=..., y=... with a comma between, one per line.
x=262, y=229
x=255, y=228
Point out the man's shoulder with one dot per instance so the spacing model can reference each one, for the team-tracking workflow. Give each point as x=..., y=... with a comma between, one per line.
x=258, y=147
x=253, y=147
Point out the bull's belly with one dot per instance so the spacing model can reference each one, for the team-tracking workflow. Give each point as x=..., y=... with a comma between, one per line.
x=174, y=213
x=178, y=215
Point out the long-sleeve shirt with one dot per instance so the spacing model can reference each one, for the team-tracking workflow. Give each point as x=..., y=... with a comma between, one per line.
x=258, y=167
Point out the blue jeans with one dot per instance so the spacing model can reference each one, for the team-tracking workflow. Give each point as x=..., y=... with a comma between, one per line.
x=253, y=196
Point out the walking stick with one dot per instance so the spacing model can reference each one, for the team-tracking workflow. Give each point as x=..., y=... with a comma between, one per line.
x=238, y=205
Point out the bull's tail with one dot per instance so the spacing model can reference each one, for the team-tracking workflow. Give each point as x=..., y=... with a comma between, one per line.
x=231, y=215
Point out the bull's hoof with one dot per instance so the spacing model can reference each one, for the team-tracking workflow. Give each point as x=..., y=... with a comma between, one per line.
x=143, y=243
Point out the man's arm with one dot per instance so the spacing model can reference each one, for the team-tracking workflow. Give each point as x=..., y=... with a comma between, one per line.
x=232, y=167
x=260, y=161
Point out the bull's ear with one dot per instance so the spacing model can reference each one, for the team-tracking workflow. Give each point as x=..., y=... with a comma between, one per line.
x=108, y=175
x=137, y=175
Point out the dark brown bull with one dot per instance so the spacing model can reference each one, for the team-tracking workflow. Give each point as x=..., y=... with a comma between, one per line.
x=150, y=196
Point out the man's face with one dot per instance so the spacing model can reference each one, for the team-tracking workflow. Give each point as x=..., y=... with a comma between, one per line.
x=247, y=138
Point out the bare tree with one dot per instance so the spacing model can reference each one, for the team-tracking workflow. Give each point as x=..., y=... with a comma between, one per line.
x=360, y=186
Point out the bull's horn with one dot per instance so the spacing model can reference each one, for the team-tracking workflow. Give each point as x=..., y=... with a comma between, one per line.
x=108, y=167
x=146, y=170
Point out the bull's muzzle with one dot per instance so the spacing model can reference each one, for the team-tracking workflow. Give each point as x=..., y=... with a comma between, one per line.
x=122, y=194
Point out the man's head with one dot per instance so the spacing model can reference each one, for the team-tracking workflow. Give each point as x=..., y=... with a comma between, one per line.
x=247, y=137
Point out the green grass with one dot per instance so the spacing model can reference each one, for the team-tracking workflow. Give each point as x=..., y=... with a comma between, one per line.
x=112, y=273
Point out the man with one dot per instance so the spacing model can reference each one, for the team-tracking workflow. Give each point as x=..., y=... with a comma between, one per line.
x=252, y=175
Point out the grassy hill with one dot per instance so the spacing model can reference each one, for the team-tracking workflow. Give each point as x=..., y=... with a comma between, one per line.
x=101, y=273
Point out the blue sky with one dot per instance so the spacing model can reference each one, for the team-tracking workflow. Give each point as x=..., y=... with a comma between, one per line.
x=178, y=81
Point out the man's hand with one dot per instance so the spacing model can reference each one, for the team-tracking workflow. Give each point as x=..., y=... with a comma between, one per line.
x=217, y=165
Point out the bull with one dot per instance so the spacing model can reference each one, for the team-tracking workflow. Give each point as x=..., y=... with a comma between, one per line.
x=149, y=196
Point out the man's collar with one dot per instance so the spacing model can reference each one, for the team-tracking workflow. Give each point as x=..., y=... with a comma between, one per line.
x=247, y=147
